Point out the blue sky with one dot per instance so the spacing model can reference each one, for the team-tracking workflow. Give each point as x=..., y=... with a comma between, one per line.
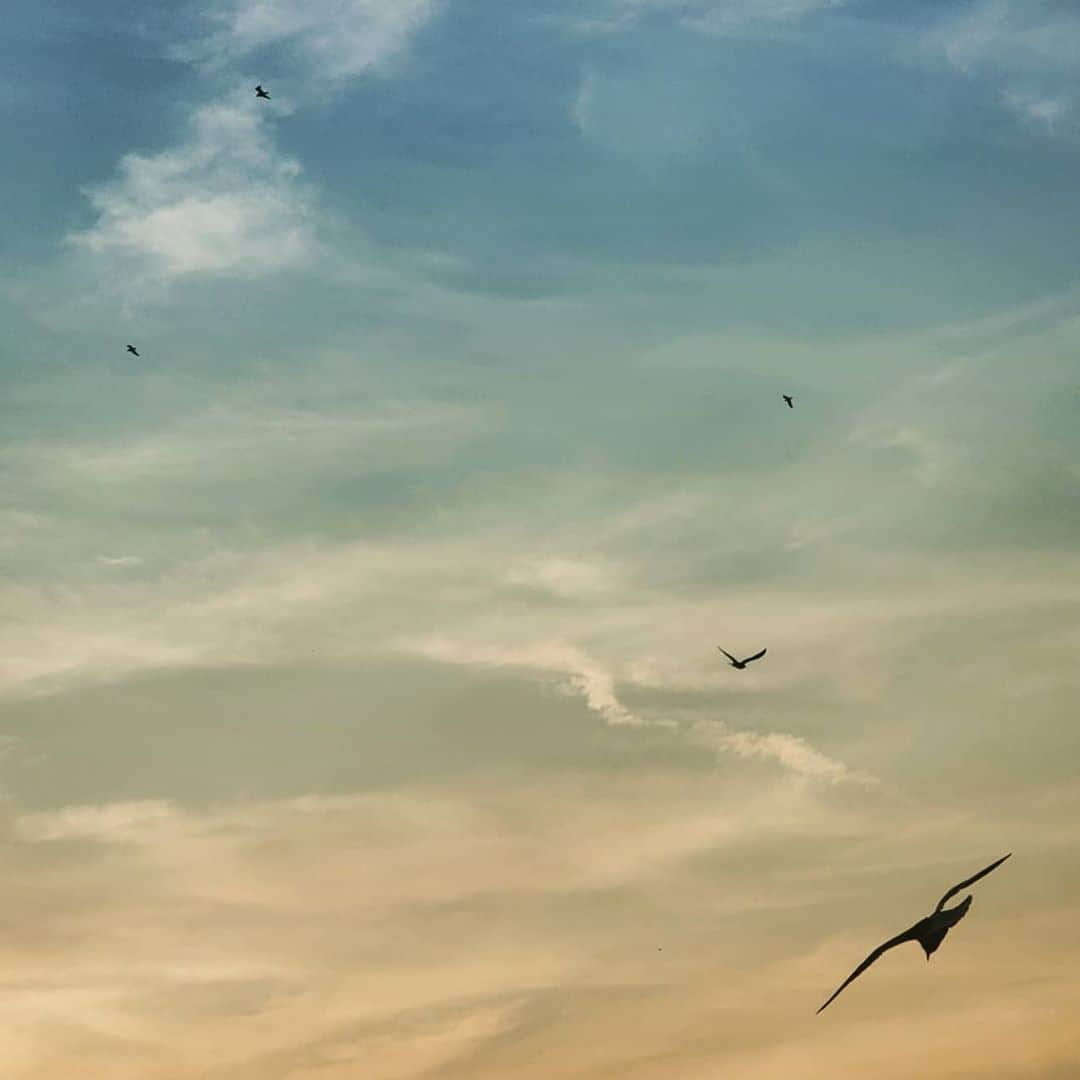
x=367, y=620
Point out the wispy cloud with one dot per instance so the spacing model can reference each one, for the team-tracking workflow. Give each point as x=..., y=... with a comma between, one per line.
x=1044, y=113
x=793, y=753
x=209, y=444
x=120, y=560
x=583, y=675
x=721, y=17
x=596, y=685
x=565, y=578
x=1029, y=48
x=329, y=41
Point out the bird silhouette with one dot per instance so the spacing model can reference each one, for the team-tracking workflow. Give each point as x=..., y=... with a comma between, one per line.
x=260, y=92
x=929, y=932
x=788, y=399
x=131, y=349
x=740, y=664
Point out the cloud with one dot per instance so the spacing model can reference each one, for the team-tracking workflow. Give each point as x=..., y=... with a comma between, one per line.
x=330, y=41
x=224, y=202
x=490, y=919
x=120, y=560
x=1015, y=36
x=115, y=822
x=564, y=578
x=584, y=675
x=796, y=755
x=581, y=109
x=1044, y=113
x=596, y=685
x=926, y=452
x=721, y=17
x=233, y=434
x=1029, y=48
x=729, y=16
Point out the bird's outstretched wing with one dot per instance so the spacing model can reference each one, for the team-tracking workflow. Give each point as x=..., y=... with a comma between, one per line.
x=908, y=935
x=728, y=655
x=756, y=656
x=970, y=881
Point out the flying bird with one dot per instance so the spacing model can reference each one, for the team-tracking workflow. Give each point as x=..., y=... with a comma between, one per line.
x=260, y=92
x=787, y=398
x=929, y=932
x=740, y=664
x=131, y=349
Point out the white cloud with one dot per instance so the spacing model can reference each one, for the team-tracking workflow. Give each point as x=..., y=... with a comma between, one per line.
x=333, y=40
x=1030, y=48
x=224, y=202
x=596, y=685
x=796, y=755
x=584, y=675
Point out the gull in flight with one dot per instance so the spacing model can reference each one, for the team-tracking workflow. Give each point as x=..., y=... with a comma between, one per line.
x=131, y=349
x=929, y=932
x=788, y=399
x=740, y=664
x=260, y=92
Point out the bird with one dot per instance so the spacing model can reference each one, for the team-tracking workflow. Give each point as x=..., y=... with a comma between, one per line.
x=788, y=399
x=929, y=932
x=131, y=349
x=261, y=93
x=740, y=664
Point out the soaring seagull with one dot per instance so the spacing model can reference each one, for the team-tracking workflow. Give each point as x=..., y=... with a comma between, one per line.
x=260, y=92
x=740, y=664
x=929, y=932
x=131, y=349
x=787, y=398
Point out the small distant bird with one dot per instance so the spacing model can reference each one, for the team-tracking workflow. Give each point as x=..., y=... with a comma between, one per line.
x=131, y=349
x=929, y=932
x=787, y=398
x=260, y=92
x=740, y=664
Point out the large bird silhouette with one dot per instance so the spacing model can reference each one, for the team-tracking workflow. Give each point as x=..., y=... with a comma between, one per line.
x=740, y=664
x=929, y=932
x=788, y=399
x=131, y=349
x=261, y=93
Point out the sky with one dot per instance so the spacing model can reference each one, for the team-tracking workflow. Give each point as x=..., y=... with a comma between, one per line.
x=361, y=708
